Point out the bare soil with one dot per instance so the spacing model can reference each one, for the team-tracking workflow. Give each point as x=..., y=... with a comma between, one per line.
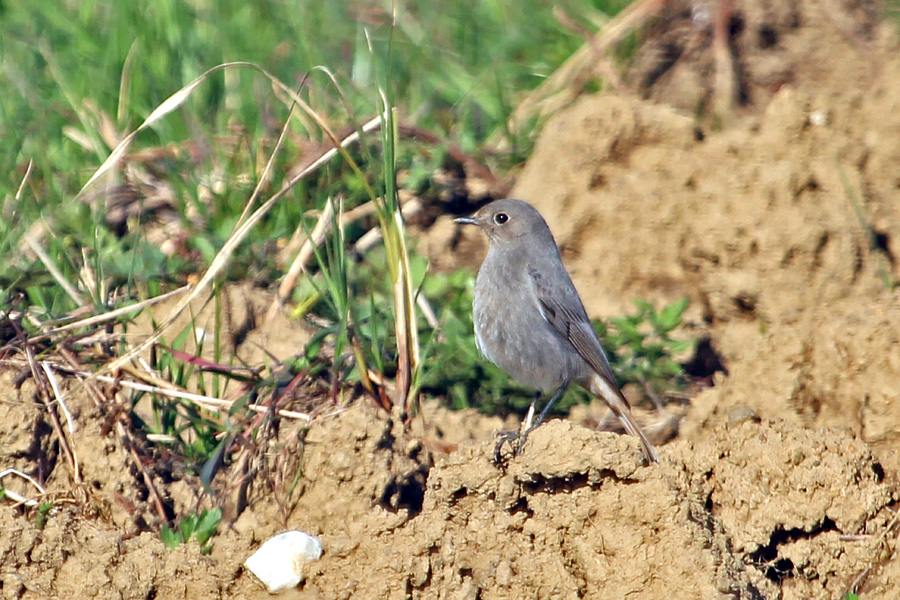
x=780, y=223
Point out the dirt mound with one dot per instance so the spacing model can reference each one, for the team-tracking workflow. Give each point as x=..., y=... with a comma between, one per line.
x=761, y=509
x=753, y=510
x=72, y=557
x=837, y=364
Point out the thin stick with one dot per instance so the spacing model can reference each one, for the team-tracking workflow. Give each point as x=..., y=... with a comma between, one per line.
x=54, y=419
x=70, y=420
x=124, y=437
x=298, y=266
x=24, y=179
x=73, y=293
x=110, y=315
x=207, y=402
x=654, y=397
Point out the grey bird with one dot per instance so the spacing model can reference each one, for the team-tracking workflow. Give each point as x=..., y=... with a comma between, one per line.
x=529, y=318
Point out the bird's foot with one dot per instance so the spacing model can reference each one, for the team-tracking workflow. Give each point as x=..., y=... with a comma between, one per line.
x=515, y=439
x=504, y=437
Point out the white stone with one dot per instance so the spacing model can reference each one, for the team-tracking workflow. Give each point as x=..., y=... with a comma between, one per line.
x=279, y=561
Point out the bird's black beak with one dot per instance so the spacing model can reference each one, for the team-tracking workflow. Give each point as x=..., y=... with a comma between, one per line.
x=470, y=220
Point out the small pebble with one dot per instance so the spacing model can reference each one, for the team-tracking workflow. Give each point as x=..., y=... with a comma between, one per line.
x=279, y=561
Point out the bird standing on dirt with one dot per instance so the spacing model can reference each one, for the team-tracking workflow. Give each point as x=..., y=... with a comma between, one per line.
x=529, y=318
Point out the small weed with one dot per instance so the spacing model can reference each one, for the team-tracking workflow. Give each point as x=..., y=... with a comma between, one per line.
x=199, y=527
x=188, y=431
x=44, y=509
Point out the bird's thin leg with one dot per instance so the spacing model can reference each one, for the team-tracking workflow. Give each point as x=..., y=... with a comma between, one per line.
x=529, y=416
x=556, y=396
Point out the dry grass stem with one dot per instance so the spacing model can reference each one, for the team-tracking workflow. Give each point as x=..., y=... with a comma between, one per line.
x=108, y=316
x=315, y=239
x=165, y=388
x=25, y=179
x=725, y=89
x=70, y=420
x=124, y=436
x=43, y=393
x=370, y=238
x=64, y=283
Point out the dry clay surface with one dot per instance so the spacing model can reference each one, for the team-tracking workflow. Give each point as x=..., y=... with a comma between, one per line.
x=780, y=225
x=758, y=510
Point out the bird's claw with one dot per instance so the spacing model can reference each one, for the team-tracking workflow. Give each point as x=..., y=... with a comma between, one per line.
x=502, y=438
x=519, y=437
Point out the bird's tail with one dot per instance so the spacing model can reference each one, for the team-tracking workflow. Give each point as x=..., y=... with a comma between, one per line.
x=619, y=405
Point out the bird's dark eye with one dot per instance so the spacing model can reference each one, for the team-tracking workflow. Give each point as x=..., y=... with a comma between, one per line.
x=501, y=218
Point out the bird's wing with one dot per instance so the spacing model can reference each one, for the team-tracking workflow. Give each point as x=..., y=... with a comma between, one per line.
x=564, y=310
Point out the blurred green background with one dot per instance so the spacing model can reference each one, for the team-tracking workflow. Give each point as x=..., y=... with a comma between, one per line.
x=456, y=68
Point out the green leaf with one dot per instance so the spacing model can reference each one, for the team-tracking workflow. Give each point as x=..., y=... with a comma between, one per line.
x=171, y=538
x=207, y=525
x=187, y=525
x=214, y=462
x=679, y=346
x=43, y=511
x=670, y=317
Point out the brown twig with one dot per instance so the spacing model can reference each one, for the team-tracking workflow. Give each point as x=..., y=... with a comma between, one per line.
x=107, y=316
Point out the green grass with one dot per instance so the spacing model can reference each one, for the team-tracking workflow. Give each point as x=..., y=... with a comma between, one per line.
x=78, y=75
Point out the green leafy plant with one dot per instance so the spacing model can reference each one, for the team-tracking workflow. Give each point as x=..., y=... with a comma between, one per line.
x=193, y=526
x=641, y=345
